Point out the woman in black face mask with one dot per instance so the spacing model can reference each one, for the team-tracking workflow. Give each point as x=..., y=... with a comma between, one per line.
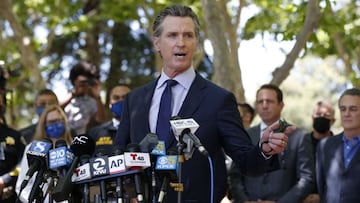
x=323, y=118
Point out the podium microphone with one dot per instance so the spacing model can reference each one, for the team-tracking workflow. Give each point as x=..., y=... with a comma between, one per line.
x=37, y=158
x=148, y=142
x=158, y=150
x=82, y=144
x=135, y=160
x=186, y=128
x=36, y=192
x=84, y=159
x=167, y=168
x=60, y=157
x=118, y=160
x=100, y=167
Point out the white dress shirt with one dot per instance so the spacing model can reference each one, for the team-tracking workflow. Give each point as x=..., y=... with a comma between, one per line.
x=179, y=93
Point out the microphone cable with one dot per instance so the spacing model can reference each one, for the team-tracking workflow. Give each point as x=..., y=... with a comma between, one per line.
x=211, y=180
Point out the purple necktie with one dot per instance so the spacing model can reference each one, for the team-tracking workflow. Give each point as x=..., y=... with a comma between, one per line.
x=163, y=130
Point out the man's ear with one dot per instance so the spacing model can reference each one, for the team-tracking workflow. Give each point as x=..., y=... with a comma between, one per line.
x=156, y=43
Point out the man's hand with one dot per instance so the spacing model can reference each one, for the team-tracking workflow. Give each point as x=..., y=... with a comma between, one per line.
x=94, y=89
x=273, y=143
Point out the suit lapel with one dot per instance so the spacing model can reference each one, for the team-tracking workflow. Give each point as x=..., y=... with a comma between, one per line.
x=193, y=98
x=191, y=102
x=339, y=154
x=147, y=94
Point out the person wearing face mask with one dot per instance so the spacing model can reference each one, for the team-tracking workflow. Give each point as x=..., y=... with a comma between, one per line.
x=323, y=117
x=104, y=134
x=83, y=105
x=52, y=125
x=44, y=98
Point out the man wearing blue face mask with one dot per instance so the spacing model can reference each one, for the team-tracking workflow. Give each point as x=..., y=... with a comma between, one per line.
x=105, y=133
x=44, y=98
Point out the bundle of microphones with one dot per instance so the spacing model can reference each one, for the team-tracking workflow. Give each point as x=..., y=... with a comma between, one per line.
x=79, y=166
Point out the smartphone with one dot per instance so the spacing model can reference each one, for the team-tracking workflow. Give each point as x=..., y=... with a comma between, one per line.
x=283, y=126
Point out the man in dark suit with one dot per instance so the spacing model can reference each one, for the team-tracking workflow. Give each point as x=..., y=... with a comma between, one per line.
x=176, y=36
x=338, y=157
x=323, y=117
x=294, y=180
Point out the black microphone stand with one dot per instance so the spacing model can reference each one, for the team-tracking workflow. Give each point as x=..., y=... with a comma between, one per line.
x=53, y=181
x=36, y=191
x=153, y=180
x=179, y=186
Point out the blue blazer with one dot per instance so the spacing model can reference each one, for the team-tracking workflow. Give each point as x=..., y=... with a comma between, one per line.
x=220, y=130
x=335, y=183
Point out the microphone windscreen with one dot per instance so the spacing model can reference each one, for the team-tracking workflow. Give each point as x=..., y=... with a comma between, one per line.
x=148, y=142
x=83, y=144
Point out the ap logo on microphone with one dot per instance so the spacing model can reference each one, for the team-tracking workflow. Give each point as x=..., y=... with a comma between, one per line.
x=117, y=164
x=99, y=166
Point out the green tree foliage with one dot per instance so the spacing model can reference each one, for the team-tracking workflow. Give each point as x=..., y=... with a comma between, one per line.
x=313, y=79
x=41, y=40
x=337, y=33
x=44, y=39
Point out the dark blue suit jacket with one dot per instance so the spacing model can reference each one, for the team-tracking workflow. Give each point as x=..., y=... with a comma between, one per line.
x=220, y=130
x=335, y=183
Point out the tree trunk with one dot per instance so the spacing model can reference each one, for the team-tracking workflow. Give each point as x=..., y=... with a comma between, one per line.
x=226, y=66
x=28, y=58
x=311, y=23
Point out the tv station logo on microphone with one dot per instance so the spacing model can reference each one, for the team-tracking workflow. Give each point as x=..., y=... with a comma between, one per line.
x=99, y=166
x=60, y=156
x=81, y=173
x=159, y=149
x=117, y=164
x=179, y=125
x=138, y=159
x=39, y=148
x=166, y=162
